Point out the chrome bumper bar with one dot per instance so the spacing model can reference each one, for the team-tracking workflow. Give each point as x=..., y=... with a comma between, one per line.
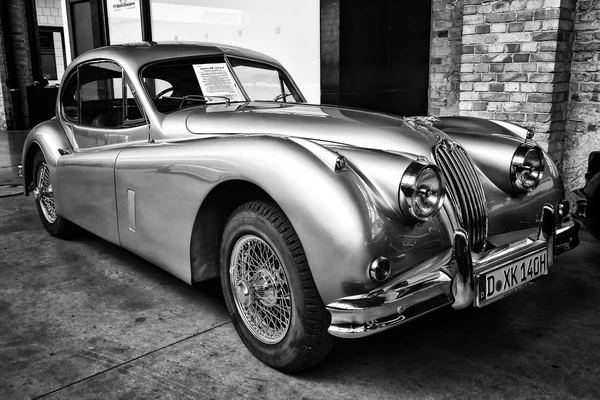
x=446, y=279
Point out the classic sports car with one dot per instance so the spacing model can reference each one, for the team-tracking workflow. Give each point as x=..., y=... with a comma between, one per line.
x=587, y=199
x=320, y=221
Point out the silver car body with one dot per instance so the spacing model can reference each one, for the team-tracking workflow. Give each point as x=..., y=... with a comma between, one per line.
x=157, y=196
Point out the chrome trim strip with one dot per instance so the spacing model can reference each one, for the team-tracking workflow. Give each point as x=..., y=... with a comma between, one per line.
x=131, y=209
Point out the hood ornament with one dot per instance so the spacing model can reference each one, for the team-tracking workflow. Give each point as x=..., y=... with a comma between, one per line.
x=427, y=120
x=427, y=123
x=448, y=145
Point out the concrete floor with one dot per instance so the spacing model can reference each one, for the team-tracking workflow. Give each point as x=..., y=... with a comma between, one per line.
x=84, y=319
x=11, y=143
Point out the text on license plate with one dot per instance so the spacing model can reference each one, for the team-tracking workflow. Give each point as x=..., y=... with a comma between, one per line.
x=508, y=278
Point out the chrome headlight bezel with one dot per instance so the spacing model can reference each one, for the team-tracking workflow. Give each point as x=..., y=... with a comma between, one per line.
x=519, y=167
x=408, y=190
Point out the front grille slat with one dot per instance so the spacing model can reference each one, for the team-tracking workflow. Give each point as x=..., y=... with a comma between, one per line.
x=473, y=189
x=465, y=191
x=458, y=190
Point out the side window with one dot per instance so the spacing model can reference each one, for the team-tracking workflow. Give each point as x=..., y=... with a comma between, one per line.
x=69, y=99
x=101, y=95
x=99, y=99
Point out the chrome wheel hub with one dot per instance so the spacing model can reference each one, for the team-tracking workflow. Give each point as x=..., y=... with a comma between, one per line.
x=43, y=193
x=242, y=293
x=261, y=289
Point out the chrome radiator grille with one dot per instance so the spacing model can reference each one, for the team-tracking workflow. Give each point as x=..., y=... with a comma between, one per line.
x=464, y=190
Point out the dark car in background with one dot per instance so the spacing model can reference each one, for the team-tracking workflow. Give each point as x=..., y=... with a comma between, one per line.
x=587, y=199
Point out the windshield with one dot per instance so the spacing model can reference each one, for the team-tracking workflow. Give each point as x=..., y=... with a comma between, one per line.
x=178, y=84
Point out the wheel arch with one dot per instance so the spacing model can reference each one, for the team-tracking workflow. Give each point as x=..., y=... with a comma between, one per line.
x=30, y=153
x=47, y=137
x=210, y=222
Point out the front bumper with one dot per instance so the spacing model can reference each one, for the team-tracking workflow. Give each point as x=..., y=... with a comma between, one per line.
x=448, y=278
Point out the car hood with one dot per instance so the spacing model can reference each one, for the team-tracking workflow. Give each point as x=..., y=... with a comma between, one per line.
x=338, y=125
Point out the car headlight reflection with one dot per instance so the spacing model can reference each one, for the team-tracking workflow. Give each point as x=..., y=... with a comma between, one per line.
x=527, y=167
x=421, y=191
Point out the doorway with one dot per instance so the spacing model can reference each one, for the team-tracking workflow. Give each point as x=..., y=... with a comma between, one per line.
x=384, y=49
x=87, y=24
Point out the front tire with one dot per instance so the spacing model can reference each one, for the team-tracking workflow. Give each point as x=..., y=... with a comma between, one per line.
x=44, y=200
x=269, y=290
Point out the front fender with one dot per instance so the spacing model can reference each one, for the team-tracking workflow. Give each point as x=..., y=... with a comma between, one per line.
x=48, y=137
x=492, y=147
x=334, y=212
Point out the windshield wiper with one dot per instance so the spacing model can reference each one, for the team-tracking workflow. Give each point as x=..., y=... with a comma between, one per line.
x=283, y=95
x=198, y=97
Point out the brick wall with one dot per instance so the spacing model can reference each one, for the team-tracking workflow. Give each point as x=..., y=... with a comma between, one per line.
x=584, y=103
x=5, y=105
x=515, y=65
x=49, y=12
x=446, y=41
x=22, y=60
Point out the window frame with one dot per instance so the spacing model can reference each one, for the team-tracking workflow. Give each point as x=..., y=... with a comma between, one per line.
x=284, y=78
x=67, y=80
x=125, y=83
x=287, y=78
x=51, y=30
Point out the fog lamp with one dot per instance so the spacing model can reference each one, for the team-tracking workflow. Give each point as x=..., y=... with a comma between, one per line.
x=380, y=269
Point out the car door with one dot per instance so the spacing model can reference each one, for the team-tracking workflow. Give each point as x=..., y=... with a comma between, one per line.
x=102, y=116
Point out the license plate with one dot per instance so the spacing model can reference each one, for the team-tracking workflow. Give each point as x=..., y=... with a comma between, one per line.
x=509, y=278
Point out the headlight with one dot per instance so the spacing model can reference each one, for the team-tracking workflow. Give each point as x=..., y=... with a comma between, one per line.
x=421, y=191
x=527, y=167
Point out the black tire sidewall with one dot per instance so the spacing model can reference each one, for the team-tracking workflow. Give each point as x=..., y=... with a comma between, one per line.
x=283, y=353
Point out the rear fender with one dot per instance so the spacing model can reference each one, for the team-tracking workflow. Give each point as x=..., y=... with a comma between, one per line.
x=47, y=137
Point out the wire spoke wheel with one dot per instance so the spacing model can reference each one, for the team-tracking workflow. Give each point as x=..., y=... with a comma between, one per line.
x=261, y=289
x=269, y=290
x=45, y=203
x=44, y=194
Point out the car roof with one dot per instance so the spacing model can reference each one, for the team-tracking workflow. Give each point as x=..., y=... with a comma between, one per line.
x=132, y=56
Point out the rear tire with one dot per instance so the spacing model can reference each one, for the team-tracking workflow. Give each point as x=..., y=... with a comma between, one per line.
x=269, y=290
x=44, y=200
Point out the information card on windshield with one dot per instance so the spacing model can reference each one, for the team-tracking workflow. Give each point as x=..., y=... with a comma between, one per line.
x=216, y=80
